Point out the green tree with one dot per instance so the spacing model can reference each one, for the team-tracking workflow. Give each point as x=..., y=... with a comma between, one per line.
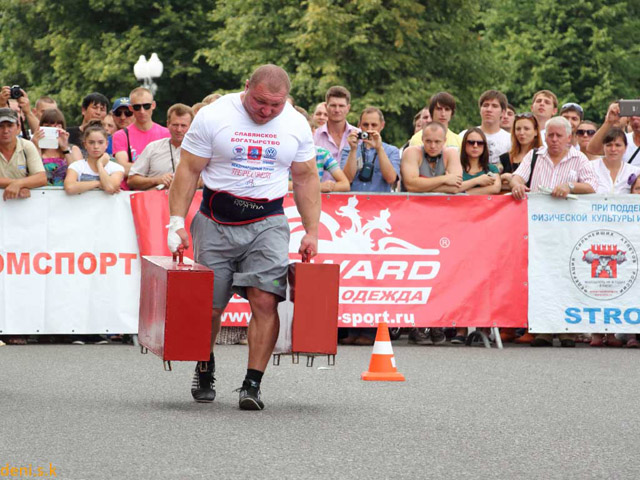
x=393, y=54
x=69, y=48
x=584, y=51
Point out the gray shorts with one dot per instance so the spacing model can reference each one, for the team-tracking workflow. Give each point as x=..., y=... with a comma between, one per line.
x=252, y=255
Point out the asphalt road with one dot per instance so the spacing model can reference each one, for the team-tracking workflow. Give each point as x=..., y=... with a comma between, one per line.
x=107, y=412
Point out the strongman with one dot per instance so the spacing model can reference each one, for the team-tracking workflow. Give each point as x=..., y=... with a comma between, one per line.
x=243, y=146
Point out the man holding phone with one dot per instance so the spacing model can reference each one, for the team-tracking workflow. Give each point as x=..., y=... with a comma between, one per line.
x=632, y=154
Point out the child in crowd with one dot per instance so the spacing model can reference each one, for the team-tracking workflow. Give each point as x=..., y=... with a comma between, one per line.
x=97, y=171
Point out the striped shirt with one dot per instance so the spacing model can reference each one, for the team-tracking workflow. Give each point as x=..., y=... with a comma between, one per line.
x=575, y=167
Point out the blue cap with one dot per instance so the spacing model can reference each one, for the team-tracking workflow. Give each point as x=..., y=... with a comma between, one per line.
x=120, y=102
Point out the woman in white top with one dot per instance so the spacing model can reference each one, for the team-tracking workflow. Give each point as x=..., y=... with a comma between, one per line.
x=614, y=175
x=97, y=171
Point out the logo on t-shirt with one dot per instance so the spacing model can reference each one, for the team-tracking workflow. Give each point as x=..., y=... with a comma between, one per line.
x=238, y=152
x=270, y=152
x=255, y=153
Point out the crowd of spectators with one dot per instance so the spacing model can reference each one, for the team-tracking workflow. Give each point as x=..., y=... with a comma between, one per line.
x=551, y=147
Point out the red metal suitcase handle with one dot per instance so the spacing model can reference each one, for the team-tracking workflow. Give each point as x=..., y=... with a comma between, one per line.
x=179, y=256
x=306, y=257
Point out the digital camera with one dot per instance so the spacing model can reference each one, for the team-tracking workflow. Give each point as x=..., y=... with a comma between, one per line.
x=363, y=135
x=16, y=92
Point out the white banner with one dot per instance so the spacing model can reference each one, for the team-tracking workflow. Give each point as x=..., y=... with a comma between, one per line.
x=68, y=264
x=583, y=264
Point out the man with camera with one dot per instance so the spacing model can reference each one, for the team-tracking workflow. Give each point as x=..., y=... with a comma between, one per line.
x=370, y=164
x=15, y=98
x=20, y=165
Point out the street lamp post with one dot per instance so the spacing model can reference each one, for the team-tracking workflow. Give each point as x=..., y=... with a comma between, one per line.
x=145, y=71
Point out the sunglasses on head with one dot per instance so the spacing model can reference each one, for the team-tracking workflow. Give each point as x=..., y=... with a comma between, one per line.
x=120, y=112
x=476, y=143
x=138, y=106
x=589, y=132
x=523, y=115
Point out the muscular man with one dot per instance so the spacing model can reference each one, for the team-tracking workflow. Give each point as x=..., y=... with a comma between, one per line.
x=431, y=167
x=243, y=145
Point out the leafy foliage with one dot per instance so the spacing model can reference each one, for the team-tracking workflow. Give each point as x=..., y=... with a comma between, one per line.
x=584, y=51
x=393, y=54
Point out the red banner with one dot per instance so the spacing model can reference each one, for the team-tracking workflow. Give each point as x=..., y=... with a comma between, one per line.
x=405, y=259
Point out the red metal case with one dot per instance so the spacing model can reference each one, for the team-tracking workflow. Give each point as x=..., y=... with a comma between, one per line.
x=314, y=291
x=176, y=303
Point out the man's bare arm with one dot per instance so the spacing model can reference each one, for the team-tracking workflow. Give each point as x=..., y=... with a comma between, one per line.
x=185, y=183
x=306, y=193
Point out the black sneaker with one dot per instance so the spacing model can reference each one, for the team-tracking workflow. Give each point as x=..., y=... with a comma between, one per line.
x=250, y=396
x=203, y=385
x=419, y=337
x=437, y=336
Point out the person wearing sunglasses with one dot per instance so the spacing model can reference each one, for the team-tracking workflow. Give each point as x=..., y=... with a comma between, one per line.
x=122, y=116
x=94, y=107
x=129, y=142
x=613, y=119
x=585, y=132
x=479, y=177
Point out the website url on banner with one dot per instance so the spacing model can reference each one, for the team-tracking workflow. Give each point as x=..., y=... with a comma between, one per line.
x=373, y=319
x=28, y=471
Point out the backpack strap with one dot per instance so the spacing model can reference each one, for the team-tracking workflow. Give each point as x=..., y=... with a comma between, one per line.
x=126, y=132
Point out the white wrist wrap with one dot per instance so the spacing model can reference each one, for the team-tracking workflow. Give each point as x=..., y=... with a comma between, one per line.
x=173, y=239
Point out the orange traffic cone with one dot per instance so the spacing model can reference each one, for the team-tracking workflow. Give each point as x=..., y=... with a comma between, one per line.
x=383, y=364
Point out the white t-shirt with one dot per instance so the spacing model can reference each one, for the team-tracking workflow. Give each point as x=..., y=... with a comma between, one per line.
x=621, y=185
x=498, y=143
x=248, y=159
x=86, y=174
x=631, y=149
